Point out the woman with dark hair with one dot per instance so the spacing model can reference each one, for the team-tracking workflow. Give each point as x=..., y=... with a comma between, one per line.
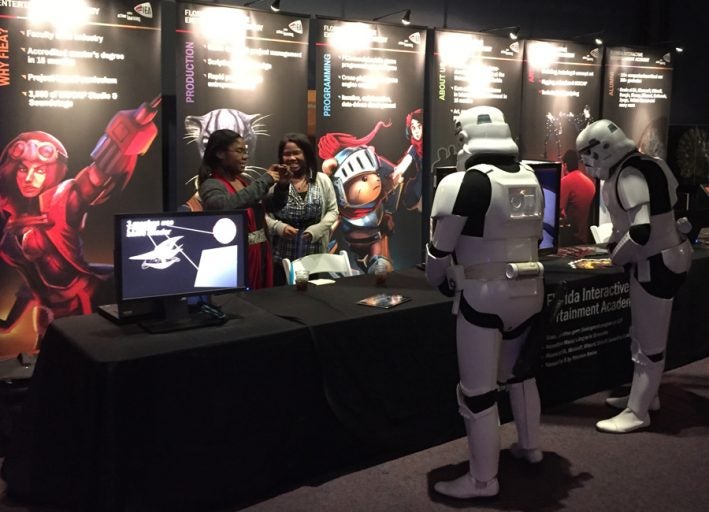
x=303, y=225
x=222, y=186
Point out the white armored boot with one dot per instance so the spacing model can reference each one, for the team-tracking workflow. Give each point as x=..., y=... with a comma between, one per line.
x=621, y=402
x=643, y=391
x=526, y=410
x=484, y=451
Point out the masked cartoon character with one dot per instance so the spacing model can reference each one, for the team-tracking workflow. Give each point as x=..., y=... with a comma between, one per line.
x=367, y=187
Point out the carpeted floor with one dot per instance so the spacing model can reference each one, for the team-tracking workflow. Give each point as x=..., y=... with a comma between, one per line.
x=665, y=468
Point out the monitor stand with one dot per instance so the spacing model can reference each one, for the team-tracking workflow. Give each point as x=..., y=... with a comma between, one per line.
x=177, y=316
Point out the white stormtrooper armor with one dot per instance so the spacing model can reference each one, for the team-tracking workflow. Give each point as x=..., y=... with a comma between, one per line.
x=487, y=225
x=640, y=193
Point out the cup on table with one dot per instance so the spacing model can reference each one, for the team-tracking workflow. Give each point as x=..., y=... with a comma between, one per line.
x=381, y=270
x=301, y=280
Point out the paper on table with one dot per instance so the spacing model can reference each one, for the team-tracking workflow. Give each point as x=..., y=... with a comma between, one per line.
x=321, y=281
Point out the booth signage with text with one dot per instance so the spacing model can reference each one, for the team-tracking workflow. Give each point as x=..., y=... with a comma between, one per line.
x=80, y=96
x=469, y=70
x=370, y=93
x=241, y=69
x=636, y=95
x=560, y=96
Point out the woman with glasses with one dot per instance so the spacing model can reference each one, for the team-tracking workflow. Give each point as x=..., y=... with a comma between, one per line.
x=223, y=186
x=303, y=225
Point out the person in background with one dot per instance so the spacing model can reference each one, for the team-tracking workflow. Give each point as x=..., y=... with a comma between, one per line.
x=222, y=186
x=576, y=200
x=304, y=224
x=640, y=192
x=487, y=222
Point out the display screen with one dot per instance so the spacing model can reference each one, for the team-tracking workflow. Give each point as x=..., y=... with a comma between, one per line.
x=161, y=255
x=549, y=177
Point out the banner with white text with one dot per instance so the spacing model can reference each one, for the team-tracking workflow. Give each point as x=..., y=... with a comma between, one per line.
x=469, y=70
x=369, y=100
x=560, y=96
x=587, y=337
x=636, y=95
x=80, y=96
x=241, y=69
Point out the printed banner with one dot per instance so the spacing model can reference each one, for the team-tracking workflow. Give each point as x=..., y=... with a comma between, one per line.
x=80, y=142
x=636, y=95
x=560, y=96
x=587, y=337
x=470, y=70
x=369, y=83
x=243, y=70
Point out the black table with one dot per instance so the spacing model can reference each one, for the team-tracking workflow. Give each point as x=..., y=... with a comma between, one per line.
x=303, y=384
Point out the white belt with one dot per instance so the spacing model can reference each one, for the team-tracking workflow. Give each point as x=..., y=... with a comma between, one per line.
x=503, y=270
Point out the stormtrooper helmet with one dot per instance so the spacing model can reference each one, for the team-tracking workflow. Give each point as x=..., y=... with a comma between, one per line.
x=483, y=130
x=601, y=145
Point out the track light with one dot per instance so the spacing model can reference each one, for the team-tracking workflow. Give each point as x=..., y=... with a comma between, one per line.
x=405, y=19
x=512, y=32
x=275, y=5
x=674, y=44
x=597, y=37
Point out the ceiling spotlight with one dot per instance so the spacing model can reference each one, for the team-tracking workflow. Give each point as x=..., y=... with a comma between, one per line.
x=275, y=5
x=674, y=44
x=405, y=19
x=512, y=32
x=596, y=37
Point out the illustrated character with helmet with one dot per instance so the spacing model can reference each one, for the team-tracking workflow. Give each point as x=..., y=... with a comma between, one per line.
x=42, y=214
x=640, y=192
x=367, y=188
x=487, y=223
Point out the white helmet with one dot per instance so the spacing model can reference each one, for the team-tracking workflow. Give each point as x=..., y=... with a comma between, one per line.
x=601, y=145
x=352, y=162
x=483, y=130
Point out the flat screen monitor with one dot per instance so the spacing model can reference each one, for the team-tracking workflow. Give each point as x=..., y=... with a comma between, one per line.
x=169, y=257
x=549, y=177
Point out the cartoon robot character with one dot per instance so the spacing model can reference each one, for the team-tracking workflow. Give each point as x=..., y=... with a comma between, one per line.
x=487, y=222
x=367, y=188
x=640, y=192
x=43, y=215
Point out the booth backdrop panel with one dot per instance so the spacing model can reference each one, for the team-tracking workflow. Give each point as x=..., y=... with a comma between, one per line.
x=636, y=95
x=369, y=87
x=242, y=69
x=67, y=73
x=469, y=70
x=561, y=93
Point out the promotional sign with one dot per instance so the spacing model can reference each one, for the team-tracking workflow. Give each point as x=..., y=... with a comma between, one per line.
x=238, y=69
x=470, y=70
x=80, y=96
x=636, y=95
x=560, y=96
x=586, y=341
x=369, y=115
